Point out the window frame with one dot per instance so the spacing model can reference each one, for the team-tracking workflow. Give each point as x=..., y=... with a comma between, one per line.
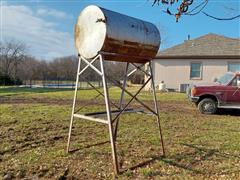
x=237, y=78
x=201, y=69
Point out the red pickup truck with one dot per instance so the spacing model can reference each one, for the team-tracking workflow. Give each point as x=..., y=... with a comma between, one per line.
x=223, y=93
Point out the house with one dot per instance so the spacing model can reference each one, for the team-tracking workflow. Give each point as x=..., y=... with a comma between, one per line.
x=199, y=60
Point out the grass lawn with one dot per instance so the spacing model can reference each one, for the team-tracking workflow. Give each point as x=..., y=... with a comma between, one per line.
x=34, y=130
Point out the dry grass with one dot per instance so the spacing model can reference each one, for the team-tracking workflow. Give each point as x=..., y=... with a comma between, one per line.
x=34, y=126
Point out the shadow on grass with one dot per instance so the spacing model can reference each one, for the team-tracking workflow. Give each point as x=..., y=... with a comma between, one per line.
x=188, y=160
x=170, y=161
x=197, y=155
x=216, y=152
x=191, y=159
x=142, y=164
x=184, y=160
x=230, y=112
x=89, y=146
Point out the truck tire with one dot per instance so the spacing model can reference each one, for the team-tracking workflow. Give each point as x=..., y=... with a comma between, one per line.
x=207, y=106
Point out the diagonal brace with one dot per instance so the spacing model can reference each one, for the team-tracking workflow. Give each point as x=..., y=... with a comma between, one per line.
x=87, y=66
x=92, y=66
x=133, y=97
x=130, y=94
x=140, y=68
x=100, y=93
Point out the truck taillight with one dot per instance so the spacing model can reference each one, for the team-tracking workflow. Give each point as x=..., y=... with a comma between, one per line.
x=194, y=91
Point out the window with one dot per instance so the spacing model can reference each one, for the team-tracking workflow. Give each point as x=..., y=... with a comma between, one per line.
x=226, y=78
x=196, y=70
x=234, y=66
x=236, y=81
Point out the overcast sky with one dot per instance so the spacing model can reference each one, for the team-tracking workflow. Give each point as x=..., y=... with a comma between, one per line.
x=46, y=27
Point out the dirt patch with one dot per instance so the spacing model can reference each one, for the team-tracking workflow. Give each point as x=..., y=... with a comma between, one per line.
x=23, y=100
x=166, y=106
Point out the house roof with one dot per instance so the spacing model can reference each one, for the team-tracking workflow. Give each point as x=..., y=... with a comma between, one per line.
x=207, y=46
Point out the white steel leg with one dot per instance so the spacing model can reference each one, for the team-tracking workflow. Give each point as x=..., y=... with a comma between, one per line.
x=74, y=103
x=109, y=118
x=156, y=108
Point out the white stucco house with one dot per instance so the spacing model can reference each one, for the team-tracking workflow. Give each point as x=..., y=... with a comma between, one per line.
x=198, y=60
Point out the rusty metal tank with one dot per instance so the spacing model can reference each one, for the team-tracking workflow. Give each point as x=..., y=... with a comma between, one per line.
x=118, y=37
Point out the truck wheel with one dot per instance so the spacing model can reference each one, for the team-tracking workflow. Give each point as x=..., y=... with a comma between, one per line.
x=207, y=106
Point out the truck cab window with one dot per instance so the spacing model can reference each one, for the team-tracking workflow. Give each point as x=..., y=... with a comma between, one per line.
x=236, y=81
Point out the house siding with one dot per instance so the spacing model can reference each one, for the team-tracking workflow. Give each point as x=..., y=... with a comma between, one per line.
x=177, y=71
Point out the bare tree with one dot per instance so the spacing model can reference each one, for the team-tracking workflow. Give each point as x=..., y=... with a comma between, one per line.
x=30, y=69
x=12, y=54
x=16, y=64
x=67, y=66
x=186, y=7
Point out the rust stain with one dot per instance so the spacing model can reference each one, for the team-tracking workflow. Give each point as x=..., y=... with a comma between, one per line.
x=133, y=48
x=140, y=53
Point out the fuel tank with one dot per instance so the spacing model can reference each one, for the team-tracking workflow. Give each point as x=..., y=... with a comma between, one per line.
x=118, y=37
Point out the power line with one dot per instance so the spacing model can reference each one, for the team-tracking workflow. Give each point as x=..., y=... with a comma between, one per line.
x=204, y=4
x=221, y=19
x=183, y=8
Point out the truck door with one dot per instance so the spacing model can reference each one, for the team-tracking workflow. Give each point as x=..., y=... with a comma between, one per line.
x=233, y=92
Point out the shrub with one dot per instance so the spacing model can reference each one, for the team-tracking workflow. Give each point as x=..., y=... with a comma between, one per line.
x=8, y=80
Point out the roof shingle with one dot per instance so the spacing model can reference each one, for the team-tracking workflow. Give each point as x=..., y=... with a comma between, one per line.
x=205, y=46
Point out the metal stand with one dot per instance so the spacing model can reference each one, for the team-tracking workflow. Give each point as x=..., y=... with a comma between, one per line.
x=110, y=121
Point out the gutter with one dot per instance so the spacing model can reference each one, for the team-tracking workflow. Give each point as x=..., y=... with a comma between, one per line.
x=197, y=57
